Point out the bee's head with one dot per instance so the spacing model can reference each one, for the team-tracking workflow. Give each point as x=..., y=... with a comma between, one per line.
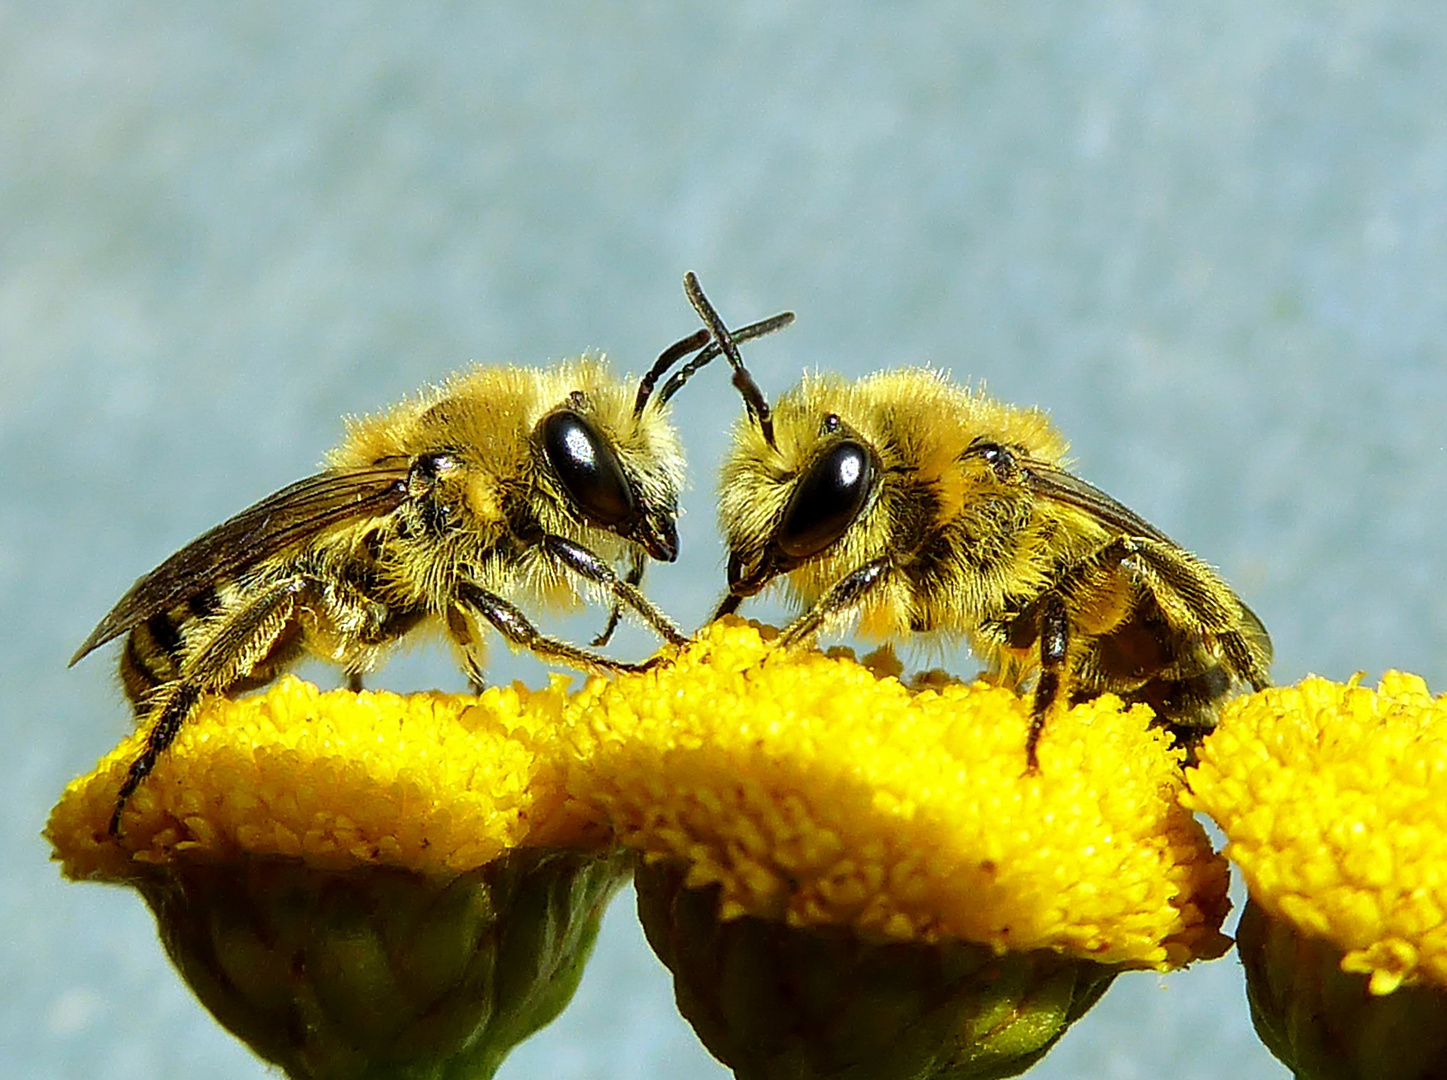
x=619, y=467
x=801, y=502
x=617, y=473
x=798, y=480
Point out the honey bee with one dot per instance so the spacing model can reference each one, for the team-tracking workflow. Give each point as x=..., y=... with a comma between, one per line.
x=505, y=482
x=920, y=506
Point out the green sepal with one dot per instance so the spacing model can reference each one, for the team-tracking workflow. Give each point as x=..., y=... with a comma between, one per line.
x=1322, y=1022
x=381, y=973
x=774, y=1002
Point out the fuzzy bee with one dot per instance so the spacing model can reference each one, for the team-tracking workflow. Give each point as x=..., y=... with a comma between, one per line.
x=504, y=484
x=920, y=506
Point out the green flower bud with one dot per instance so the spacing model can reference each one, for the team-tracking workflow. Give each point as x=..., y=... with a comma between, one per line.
x=1326, y=1024
x=381, y=973
x=770, y=1000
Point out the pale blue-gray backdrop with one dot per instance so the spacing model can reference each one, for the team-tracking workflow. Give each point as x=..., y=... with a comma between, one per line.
x=1210, y=238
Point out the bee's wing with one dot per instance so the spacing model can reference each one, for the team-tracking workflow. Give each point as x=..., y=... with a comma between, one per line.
x=1055, y=483
x=290, y=517
x=1256, y=629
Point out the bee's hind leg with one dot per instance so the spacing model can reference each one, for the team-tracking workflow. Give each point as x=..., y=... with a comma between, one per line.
x=179, y=702
x=240, y=643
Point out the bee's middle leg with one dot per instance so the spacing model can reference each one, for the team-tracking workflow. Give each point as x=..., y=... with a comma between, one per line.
x=1054, y=632
x=1048, y=620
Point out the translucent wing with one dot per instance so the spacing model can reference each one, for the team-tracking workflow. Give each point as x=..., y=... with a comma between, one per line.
x=1064, y=487
x=1257, y=631
x=1054, y=483
x=286, y=519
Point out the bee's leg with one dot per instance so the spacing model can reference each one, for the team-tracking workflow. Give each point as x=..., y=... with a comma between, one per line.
x=1053, y=628
x=1048, y=619
x=512, y=624
x=727, y=606
x=1188, y=591
x=241, y=640
x=584, y=563
x=615, y=611
x=846, y=593
x=742, y=586
x=460, y=630
x=177, y=704
x=354, y=681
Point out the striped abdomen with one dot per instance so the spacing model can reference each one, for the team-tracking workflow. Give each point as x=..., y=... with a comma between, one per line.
x=155, y=648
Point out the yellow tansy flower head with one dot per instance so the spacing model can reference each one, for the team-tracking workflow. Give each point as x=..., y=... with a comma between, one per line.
x=813, y=791
x=1333, y=798
x=848, y=876
x=431, y=782
x=360, y=884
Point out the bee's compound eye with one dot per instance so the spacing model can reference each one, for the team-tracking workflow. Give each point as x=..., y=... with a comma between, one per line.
x=588, y=468
x=434, y=465
x=828, y=500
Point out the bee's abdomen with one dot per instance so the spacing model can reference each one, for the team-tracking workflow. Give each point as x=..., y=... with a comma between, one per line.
x=152, y=657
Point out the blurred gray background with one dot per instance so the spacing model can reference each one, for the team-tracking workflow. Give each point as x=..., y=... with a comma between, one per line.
x=1208, y=237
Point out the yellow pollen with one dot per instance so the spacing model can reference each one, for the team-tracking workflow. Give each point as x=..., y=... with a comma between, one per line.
x=431, y=782
x=814, y=790
x=1334, y=800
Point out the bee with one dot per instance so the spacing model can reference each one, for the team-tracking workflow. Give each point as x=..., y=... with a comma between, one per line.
x=918, y=506
x=506, y=483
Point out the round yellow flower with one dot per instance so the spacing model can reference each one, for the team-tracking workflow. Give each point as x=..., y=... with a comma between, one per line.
x=1334, y=800
x=814, y=791
x=851, y=877
x=437, y=783
x=360, y=885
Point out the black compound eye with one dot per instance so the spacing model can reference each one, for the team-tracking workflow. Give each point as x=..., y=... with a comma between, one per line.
x=828, y=500
x=588, y=468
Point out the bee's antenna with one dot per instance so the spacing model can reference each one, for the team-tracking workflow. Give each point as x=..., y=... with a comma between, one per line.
x=666, y=359
x=744, y=382
x=713, y=352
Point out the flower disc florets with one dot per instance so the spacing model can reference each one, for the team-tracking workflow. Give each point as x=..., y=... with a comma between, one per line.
x=1334, y=800
x=813, y=790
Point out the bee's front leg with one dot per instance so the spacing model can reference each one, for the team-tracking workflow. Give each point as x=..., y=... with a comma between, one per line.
x=511, y=623
x=460, y=630
x=587, y=565
x=846, y=593
x=615, y=611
